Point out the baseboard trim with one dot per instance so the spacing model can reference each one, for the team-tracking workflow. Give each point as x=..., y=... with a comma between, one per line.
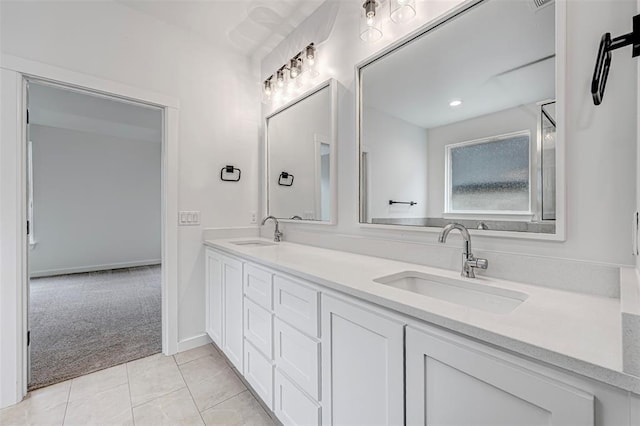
x=193, y=342
x=93, y=268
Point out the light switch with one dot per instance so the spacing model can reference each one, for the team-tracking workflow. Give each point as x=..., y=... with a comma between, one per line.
x=187, y=218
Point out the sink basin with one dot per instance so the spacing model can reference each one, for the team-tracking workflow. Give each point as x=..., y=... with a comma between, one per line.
x=462, y=292
x=255, y=243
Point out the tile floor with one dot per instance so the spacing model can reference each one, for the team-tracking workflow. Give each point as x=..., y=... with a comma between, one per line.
x=196, y=387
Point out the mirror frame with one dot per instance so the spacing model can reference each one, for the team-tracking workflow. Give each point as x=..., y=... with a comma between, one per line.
x=422, y=31
x=332, y=84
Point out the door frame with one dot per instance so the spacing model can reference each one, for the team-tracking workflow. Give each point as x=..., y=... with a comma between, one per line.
x=14, y=245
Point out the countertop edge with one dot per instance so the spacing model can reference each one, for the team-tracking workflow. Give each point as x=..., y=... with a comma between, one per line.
x=589, y=370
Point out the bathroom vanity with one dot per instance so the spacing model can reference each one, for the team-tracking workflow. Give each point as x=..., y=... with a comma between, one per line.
x=329, y=337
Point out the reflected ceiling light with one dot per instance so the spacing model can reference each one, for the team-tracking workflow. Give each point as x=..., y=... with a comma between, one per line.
x=455, y=102
x=370, y=27
x=402, y=10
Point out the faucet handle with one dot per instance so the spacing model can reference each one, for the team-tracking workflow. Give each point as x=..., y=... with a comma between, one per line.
x=478, y=263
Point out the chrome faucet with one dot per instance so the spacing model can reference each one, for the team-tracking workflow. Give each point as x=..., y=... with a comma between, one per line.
x=469, y=261
x=277, y=235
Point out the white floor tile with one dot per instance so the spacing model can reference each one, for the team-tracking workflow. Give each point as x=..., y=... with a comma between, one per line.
x=44, y=406
x=195, y=353
x=241, y=410
x=98, y=382
x=152, y=377
x=176, y=408
x=108, y=407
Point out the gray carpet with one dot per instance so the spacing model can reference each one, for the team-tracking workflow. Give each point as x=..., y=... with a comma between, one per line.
x=82, y=323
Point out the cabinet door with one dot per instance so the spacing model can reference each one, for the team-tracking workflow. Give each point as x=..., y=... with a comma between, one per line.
x=258, y=327
x=292, y=406
x=298, y=356
x=454, y=382
x=259, y=373
x=232, y=325
x=362, y=366
x=214, y=307
x=257, y=286
x=297, y=304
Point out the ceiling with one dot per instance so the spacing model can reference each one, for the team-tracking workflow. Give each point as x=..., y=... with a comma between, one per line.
x=81, y=111
x=253, y=26
x=492, y=58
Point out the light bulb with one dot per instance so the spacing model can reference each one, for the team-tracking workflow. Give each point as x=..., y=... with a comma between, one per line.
x=455, y=102
x=310, y=52
x=280, y=78
x=370, y=28
x=371, y=18
x=267, y=87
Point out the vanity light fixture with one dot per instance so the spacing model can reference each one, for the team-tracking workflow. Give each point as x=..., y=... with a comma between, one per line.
x=402, y=10
x=286, y=79
x=310, y=54
x=280, y=77
x=455, y=102
x=267, y=89
x=370, y=27
x=295, y=67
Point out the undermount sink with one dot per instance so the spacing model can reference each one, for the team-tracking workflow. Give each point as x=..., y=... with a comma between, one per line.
x=255, y=243
x=462, y=292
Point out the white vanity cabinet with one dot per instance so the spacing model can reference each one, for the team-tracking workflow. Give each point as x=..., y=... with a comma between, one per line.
x=453, y=381
x=363, y=364
x=317, y=356
x=224, y=305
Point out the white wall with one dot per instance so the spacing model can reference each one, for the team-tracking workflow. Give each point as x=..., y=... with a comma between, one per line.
x=292, y=149
x=218, y=115
x=96, y=201
x=600, y=141
x=498, y=123
x=397, y=152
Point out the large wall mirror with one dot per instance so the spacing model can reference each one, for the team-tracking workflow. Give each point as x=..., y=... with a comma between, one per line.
x=459, y=123
x=301, y=157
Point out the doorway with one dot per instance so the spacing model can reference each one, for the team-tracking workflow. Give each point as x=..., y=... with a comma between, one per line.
x=94, y=185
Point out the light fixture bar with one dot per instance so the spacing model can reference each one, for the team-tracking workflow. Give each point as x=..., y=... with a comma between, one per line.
x=294, y=66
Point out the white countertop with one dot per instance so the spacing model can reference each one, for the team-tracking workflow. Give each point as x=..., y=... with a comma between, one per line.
x=578, y=332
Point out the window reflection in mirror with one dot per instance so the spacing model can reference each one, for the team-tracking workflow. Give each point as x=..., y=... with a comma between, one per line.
x=464, y=126
x=300, y=151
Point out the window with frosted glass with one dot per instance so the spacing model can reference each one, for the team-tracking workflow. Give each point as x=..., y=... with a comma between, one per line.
x=490, y=176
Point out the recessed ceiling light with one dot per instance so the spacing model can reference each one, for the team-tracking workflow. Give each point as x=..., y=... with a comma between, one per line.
x=455, y=103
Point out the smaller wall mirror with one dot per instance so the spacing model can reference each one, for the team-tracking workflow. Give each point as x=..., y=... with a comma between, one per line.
x=301, y=157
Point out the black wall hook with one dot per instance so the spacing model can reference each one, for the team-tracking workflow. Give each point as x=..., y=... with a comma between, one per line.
x=285, y=179
x=230, y=170
x=603, y=61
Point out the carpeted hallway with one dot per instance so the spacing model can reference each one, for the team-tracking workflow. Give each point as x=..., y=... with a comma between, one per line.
x=82, y=323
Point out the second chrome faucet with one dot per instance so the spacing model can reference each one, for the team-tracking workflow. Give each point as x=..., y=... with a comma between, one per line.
x=469, y=261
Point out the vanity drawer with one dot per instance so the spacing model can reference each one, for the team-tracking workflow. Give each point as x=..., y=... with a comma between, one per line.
x=292, y=406
x=298, y=356
x=258, y=327
x=258, y=286
x=297, y=304
x=259, y=373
